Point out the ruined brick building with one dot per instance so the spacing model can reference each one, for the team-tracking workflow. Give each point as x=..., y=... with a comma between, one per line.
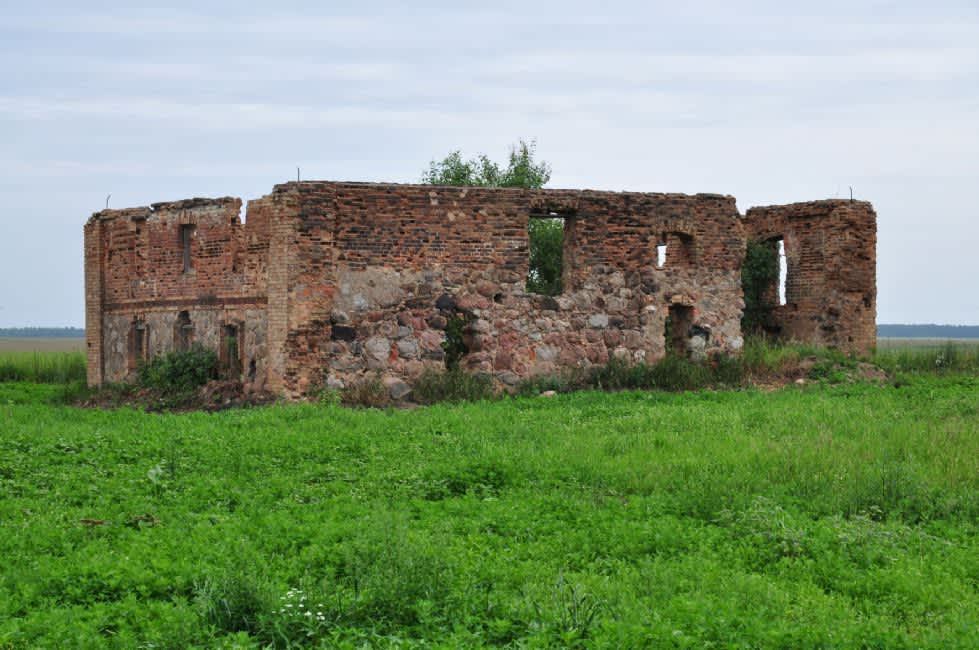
x=329, y=282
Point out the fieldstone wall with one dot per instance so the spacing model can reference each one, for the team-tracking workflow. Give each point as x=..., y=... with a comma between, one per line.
x=380, y=270
x=329, y=283
x=207, y=323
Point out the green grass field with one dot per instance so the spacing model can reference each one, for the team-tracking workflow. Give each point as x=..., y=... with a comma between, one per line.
x=48, y=367
x=41, y=344
x=828, y=516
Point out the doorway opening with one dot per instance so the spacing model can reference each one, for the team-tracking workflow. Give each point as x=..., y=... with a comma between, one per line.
x=679, y=322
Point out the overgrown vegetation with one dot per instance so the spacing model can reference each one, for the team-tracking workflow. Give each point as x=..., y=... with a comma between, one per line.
x=546, y=256
x=521, y=170
x=829, y=516
x=949, y=357
x=759, y=279
x=179, y=372
x=368, y=392
x=454, y=346
x=453, y=385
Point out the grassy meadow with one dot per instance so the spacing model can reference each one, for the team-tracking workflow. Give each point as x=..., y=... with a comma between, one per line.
x=41, y=344
x=818, y=516
x=42, y=367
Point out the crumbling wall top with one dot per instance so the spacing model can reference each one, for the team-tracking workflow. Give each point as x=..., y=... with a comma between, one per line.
x=145, y=212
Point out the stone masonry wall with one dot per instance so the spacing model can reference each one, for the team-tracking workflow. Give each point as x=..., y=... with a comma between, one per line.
x=380, y=269
x=831, y=282
x=334, y=282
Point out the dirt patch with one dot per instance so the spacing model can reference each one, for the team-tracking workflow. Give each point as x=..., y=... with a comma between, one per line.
x=216, y=395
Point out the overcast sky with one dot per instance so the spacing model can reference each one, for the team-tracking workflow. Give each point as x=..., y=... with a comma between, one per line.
x=772, y=102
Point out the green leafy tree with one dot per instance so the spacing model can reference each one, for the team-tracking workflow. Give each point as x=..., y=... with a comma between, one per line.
x=521, y=170
x=546, y=256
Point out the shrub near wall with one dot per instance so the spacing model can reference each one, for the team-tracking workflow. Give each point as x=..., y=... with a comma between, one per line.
x=179, y=372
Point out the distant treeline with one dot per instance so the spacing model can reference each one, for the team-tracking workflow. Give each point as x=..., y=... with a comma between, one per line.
x=43, y=332
x=930, y=331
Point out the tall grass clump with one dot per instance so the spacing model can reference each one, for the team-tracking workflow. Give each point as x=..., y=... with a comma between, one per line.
x=672, y=373
x=452, y=385
x=367, y=392
x=950, y=357
x=42, y=367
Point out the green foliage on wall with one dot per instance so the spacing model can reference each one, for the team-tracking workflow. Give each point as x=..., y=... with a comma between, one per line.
x=759, y=276
x=546, y=256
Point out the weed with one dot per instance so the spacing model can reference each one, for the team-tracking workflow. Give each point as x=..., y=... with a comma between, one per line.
x=234, y=600
x=454, y=346
x=453, y=385
x=367, y=392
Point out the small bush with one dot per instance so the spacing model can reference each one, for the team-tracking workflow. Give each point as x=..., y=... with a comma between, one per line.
x=452, y=385
x=179, y=372
x=454, y=346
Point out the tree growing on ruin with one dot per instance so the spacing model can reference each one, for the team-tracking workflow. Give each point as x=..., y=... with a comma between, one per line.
x=521, y=170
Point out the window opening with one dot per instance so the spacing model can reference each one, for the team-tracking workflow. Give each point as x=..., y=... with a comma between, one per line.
x=186, y=237
x=138, y=344
x=547, y=235
x=183, y=332
x=231, y=351
x=764, y=281
x=783, y=271
x=660, y=255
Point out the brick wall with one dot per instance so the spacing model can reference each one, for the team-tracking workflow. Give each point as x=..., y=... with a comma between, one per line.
x=334, y=282
x=135, y=274
x=386, y=266
x=831, y=282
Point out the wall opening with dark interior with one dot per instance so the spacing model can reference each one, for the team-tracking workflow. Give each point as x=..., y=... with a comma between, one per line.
x=183, y=332
x=230, y=353
x=763, y=281
x=340, y=331
x=548, y=235
x=186, y=240
x=139, y=339
x=677, y=330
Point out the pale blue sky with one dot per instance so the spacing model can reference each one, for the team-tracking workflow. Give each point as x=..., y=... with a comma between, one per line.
x=772, y=102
